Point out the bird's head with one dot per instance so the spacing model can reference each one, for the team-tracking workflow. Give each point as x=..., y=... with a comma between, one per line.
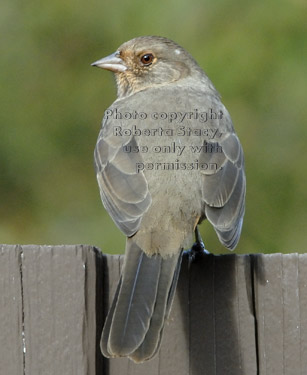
x=149, y=61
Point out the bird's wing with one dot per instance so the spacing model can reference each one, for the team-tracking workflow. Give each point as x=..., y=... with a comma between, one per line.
x=224, y=184
x=124, y=190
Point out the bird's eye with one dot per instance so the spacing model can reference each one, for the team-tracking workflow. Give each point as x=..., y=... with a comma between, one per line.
x=147, y=59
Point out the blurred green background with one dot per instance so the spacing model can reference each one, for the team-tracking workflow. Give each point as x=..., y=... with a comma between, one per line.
x=52, y=102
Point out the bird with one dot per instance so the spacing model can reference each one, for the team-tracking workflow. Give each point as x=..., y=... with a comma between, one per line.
x=167, y=158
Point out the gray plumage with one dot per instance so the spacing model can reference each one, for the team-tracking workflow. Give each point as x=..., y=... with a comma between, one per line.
x=156, y=198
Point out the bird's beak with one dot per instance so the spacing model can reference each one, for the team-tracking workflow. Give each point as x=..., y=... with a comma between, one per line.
x=112, y=62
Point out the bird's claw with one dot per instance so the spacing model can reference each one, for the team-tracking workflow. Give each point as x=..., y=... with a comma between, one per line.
x=198, y=250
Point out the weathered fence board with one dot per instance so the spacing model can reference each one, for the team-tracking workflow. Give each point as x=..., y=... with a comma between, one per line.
x=48, y=310
x=11, y=346
x=281, y=310
x=232, y=314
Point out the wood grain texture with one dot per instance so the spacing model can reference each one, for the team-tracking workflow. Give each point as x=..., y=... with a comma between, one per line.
x=232, y=314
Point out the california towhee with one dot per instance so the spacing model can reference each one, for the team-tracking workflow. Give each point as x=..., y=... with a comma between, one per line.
x=167, y=157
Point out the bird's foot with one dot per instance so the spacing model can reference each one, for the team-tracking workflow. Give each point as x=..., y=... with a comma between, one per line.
x=197, y=250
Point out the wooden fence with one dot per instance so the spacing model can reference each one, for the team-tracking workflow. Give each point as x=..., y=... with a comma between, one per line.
x=232, y=314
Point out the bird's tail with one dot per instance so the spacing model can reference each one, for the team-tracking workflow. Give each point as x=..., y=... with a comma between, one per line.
x=142, y=302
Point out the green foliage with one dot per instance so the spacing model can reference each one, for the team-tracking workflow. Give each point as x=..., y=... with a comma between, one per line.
x=52, y=102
